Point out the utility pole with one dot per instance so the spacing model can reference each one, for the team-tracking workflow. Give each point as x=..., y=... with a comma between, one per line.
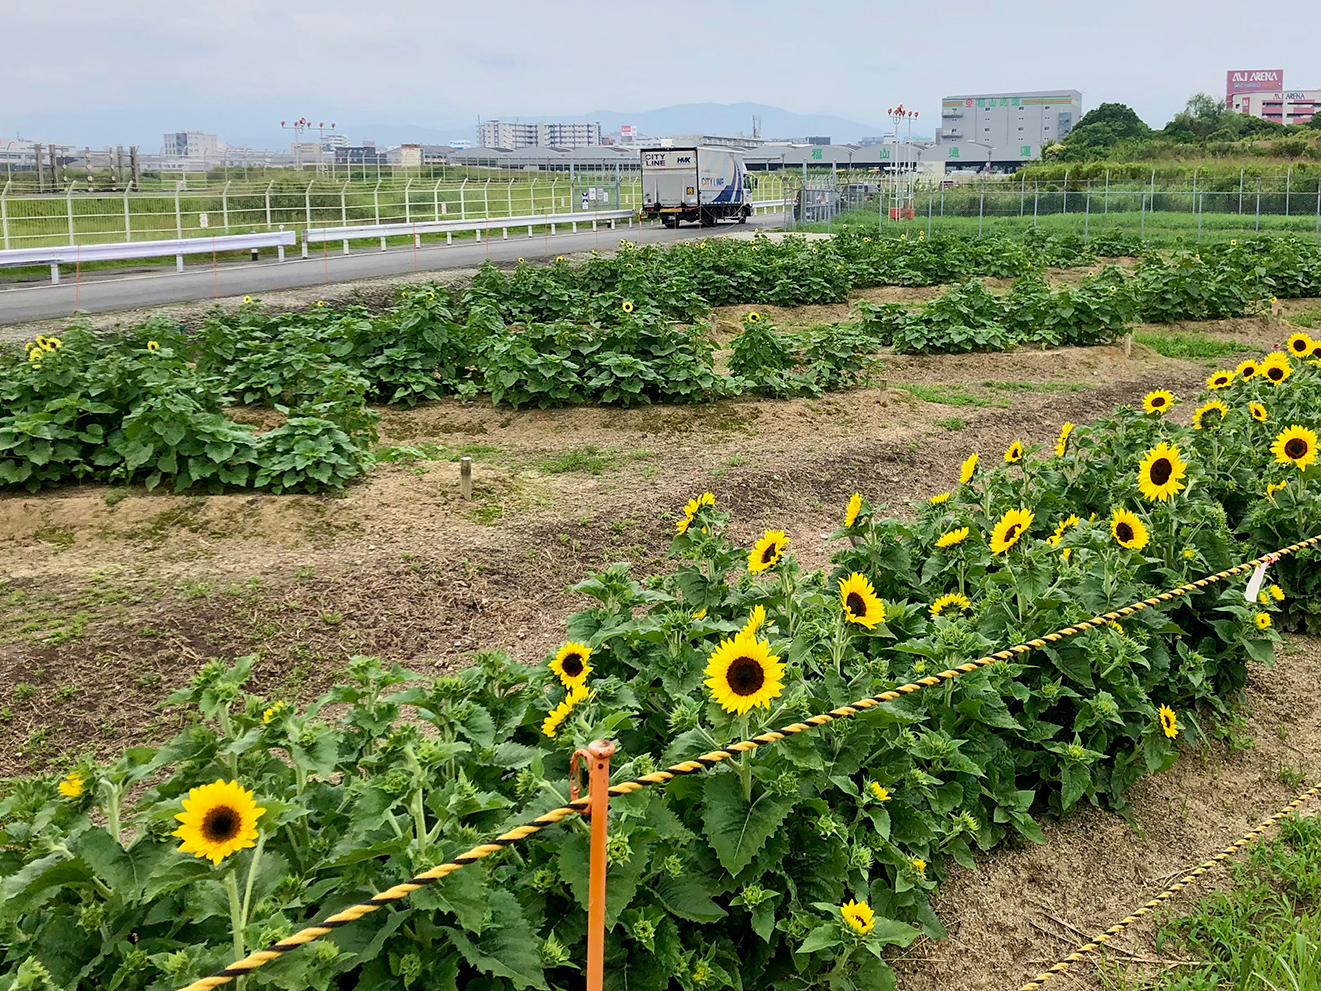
x=41, y=169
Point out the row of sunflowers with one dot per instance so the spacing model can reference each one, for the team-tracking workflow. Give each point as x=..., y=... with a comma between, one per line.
x=795, y=865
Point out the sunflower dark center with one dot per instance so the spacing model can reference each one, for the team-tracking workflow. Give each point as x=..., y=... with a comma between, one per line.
x=1161, y=470
x=572, y=665
x=1012, y=532
x=1221, y=380
x=1275, y=373
x=1295, y=447
x=771, y=552
x=746, y=676
x=1124, y=532
x=1158, y=402
x=221, y=824
x=1300, y=347
x=854, y=603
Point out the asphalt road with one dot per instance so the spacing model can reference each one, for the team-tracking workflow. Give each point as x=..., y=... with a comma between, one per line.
x=104, y=294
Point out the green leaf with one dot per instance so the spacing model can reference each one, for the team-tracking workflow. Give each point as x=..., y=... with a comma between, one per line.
x=823, y=937
x=737, y=829
x=621, y=879
x=690, y=896
x=507, y=947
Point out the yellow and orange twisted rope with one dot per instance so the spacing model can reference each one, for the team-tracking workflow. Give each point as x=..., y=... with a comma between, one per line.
x=260, y=958
x=1096, y=942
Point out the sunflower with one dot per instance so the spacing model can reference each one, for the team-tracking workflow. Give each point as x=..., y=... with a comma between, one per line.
x=1275, y=366
x=272, y=712
x=753, y=317
x=247, y=299
x=1277, y=593
x=1219, y=379
x=217, y=820
x=1295, y=445
x=1158, y=402
x=755, y=620
x=1214, y=406
x=1263, y=621
x=1128, y=530
x=859, y=916
x=853, y=509
x=153, y=346
x=766, y=551
x=967, y=468
x=1168, y=723
x=859, y=600
x=953, y=537
x=1012, y=525
x=743, y=674
x=1273, y=487
x=551, y=724
x=1161, y=472
x=570, y=664
x=1062, y=445
x=72, y=786
x=953, y=600
x=690, y=510
x=1247, y=369
x=627, y=306
x=879, y=791
x=939, y=499
x=1014, y=453
x=1299, y=344
x=1257, y=411
x=919, y=865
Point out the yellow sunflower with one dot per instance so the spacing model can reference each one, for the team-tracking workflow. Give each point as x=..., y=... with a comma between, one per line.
x=953, y=600
x=743, y=674
x=1011, y=527
x=1273, y=487
x=570, y=664
x=1263, y=621
x=1275, y=366
x=627, y=306
x=153, y=346
x=859, y=600
x=1257, y=411
x=853, y=509
x=72, y=786
x=766, y=552
x=690, y=510
x=272, y=712
x=967, y=468
x=1128, y=530
x=551, y=724
x=1299, y=344
x=1160, y=475
x=1014, y=453
x=217, y=820
x=1219, y=379
x=1247, y=369
x=1295, y=445
x=1277, y=593
x=1062, y=444
x=1158, y=402
x=753, y=317
x=755, y=620
x=939, y=499
x=859, y=916
x=953, y=537
x=879, y=791
x=1168, y=723
x=1214, y=406
x=247, y=299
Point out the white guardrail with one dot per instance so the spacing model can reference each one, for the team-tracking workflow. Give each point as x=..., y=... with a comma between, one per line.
x=74, y=254
x=320, y=235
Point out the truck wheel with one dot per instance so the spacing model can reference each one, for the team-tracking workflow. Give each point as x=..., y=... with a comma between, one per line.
x=743, y=216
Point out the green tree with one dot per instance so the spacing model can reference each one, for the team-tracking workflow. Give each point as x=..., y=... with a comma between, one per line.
x=1100, y=131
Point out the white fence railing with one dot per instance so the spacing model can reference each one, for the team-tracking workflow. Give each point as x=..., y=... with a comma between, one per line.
x=57, y=255
x=547, y=221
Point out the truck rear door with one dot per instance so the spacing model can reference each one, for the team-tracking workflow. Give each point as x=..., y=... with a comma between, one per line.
x=669, y=178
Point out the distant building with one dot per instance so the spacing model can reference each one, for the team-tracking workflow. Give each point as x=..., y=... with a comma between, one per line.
x=191, y=144
x=877, y=139
x=1005, y=128
x=712, y=140
x=363, y=154
x=512, y=135
x=334, y=140
x=458, y=143
x=1296, y=106
x=1250, y=82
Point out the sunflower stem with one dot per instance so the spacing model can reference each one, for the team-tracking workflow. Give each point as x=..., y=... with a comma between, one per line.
x=235, y=912
x=786, y=591
x=112, y=811
x=841, y=641
x=744, y=768
x=252, y=877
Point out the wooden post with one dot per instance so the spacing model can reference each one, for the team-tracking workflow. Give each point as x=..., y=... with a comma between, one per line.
x=465, y=478
x=1128, y=344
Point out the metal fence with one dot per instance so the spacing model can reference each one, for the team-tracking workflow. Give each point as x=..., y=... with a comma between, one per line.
x=296, y=202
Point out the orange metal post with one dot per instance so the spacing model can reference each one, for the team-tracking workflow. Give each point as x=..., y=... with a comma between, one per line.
x=597, y=756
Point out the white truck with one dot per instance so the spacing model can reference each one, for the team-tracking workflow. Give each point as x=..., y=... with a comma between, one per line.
x=701, y=184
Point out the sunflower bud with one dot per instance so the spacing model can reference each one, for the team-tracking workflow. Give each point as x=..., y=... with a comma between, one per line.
x=860, y=859
x=553, y=952
x=408, y=968
x=544, y=879
x=324, y=951
x=90, y=916
x=179, y=965
x=617, y=848
x=673, y=866
x=827, y=824
x=644, y=931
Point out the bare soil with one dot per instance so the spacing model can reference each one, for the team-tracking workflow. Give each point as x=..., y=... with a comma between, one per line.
x=112, y=597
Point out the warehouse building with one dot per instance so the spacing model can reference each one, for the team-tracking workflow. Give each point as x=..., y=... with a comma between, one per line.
x=513, y=135
x=1005, y=129
x=1296, y=106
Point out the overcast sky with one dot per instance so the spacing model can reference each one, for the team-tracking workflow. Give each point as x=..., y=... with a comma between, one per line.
x=87, y=71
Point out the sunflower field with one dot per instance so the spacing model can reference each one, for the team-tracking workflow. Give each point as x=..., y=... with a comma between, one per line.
x=795, y=866
x=152, y=405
